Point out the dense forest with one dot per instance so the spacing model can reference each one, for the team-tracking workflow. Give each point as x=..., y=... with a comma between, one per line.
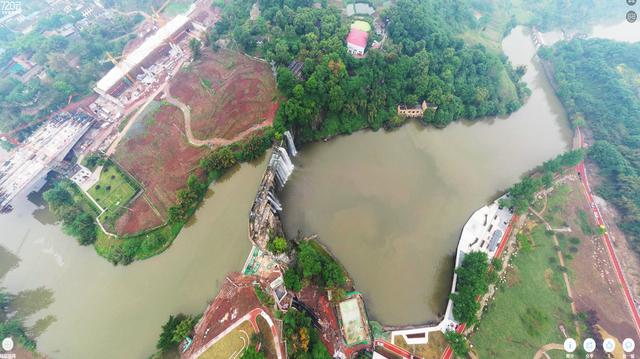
x=422, y=59
x=598, y=82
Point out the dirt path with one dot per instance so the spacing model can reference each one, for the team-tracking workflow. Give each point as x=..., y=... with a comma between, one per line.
x=542, y=352
x=565, y=276
x=212, y=142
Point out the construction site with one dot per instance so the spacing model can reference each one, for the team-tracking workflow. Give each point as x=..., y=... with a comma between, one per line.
x=138, y=76
x=40, y=153
x=153, y=59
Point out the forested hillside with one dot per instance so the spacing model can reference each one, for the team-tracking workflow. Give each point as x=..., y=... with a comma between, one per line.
x=422, y=59
x=599, y=83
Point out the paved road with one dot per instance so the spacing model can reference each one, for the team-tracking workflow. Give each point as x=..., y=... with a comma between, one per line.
x=607, y=240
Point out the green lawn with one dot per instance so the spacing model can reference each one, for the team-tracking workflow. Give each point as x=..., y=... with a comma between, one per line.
x=526, y=313
x=555, y=206
x=231, y=345
x=113, y=192
x=113, y=189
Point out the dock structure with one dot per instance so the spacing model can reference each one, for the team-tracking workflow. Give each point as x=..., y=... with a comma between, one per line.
x=47, y=147
x=485, y=230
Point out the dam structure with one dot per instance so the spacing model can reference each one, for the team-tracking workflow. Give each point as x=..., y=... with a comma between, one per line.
x=264, y=216
x=486, y=230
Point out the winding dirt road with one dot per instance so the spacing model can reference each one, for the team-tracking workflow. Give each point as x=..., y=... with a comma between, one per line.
x=542, y=352
x=212, y=142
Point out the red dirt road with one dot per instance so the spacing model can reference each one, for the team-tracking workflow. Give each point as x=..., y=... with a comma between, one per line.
x=612, y=255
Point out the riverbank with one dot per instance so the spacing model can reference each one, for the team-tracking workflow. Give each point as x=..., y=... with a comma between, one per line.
x=399, y=198
x=214, y=242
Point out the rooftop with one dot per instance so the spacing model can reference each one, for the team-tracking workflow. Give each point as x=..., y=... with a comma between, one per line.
x=357, y=37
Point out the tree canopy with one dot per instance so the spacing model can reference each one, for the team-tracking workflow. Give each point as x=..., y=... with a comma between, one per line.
x=423, y=59
x=597, y=83
x=473, y=281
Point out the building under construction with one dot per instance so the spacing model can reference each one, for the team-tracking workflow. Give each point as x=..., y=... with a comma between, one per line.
x=147, y=54
x=40, y=153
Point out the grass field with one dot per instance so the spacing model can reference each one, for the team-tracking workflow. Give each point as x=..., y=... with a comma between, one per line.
x=528, y=310
x=231, y=345
x=496, y=23
x=113, y=192
x=113, y=188
x=434, y=349
x=268, y=343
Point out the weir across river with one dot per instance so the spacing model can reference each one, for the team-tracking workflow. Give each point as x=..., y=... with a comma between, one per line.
x=264, y=216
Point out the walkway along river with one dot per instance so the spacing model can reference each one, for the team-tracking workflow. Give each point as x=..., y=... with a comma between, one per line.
x=429, y=180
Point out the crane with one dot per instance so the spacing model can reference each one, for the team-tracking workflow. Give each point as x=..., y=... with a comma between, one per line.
x=114, y=61
x=157, y=17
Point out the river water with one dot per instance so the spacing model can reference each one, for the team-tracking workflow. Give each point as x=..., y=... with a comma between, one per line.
x=391, y=206
x=88, y=308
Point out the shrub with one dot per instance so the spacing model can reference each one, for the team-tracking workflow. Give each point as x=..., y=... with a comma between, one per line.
x=458, y=343
x=278, y=245
x=264, y=297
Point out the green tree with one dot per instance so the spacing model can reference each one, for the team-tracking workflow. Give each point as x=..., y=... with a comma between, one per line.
x=166, y=340
x=473, y=281
x=278, y=245
x=292, y=281
x=458, y=343
x=309, y=260
x=196, y=48
x=183, y=329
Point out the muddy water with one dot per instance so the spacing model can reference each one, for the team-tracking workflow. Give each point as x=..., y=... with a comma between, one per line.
x=619, y=31
x=84, y=307
x=391, y=206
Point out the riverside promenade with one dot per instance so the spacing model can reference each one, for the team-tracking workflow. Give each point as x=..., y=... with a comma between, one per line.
x=487, y=230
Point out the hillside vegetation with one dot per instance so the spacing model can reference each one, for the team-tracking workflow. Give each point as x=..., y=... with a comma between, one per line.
x=421, y=59
x=597, y=83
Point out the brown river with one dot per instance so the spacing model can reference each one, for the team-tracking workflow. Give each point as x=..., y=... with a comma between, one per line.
x=389, y=205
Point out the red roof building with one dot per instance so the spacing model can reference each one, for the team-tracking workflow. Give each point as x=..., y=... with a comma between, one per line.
x=357, y=41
